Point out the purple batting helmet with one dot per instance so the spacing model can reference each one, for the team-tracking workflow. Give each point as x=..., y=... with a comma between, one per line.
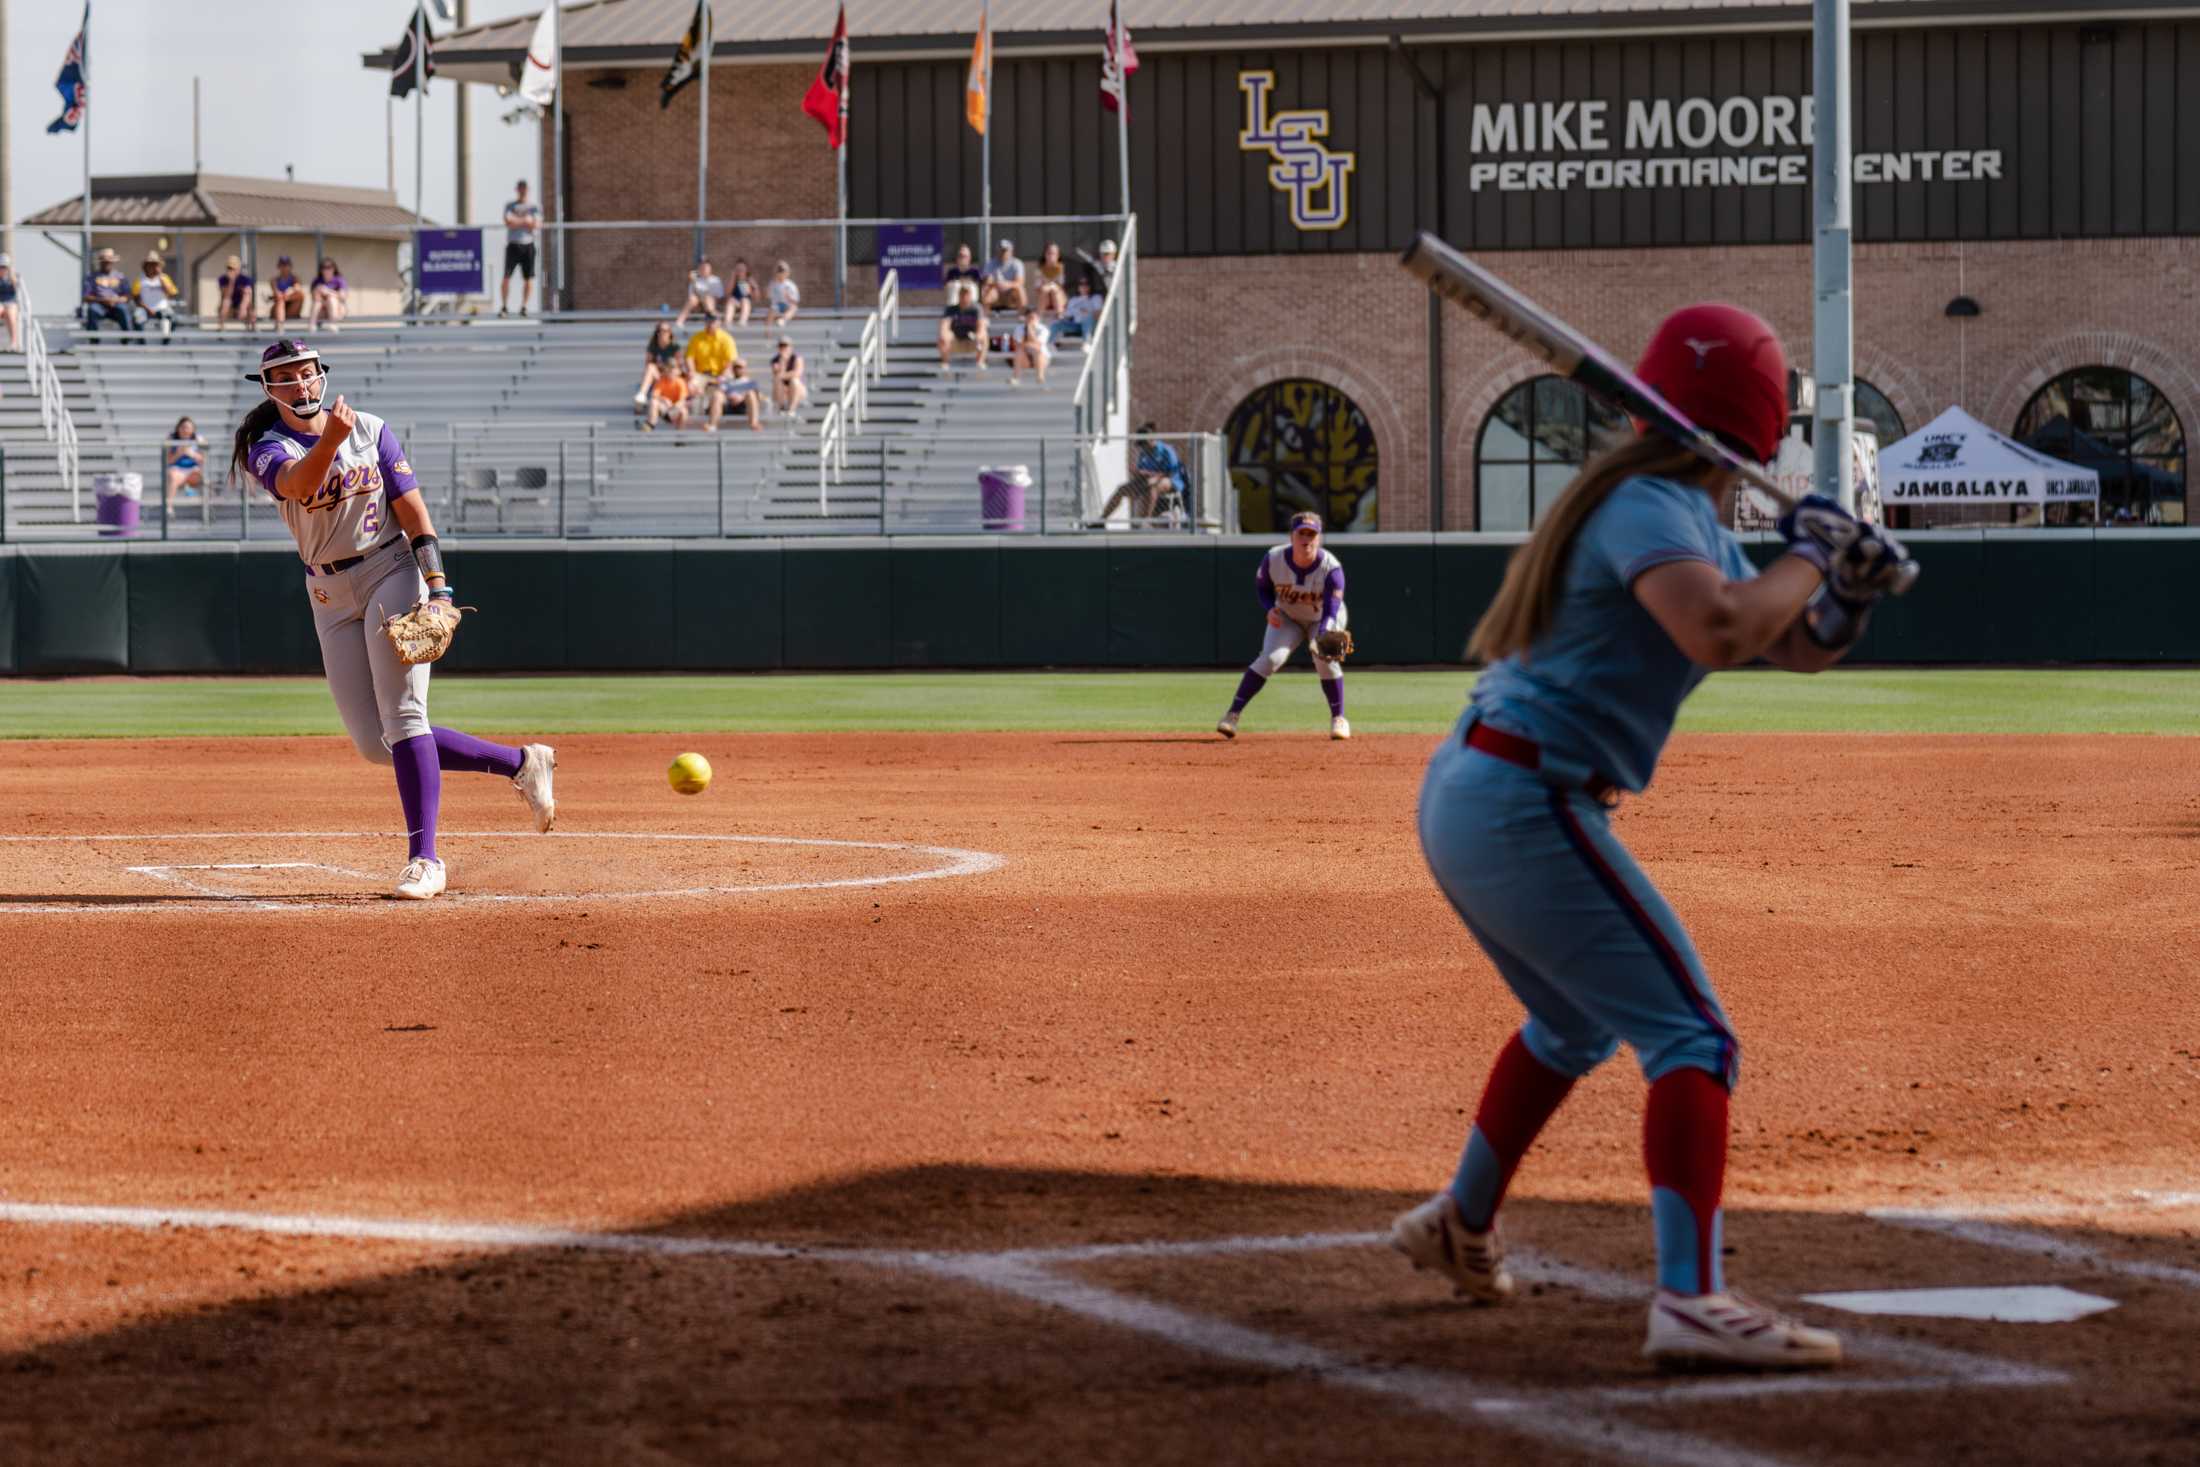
x=284, y=353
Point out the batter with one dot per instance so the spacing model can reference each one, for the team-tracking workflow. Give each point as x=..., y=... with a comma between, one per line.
x=1301, y=589
x=1630, y=591
x=341, y=483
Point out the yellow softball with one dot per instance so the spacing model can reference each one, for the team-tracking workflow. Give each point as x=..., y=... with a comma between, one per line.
x=689, y=774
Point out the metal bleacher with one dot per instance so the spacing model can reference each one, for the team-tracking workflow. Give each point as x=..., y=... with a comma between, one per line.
x=525, y=426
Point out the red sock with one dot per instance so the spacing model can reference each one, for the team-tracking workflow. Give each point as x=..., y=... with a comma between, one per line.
x=1684, y=1148
x=1521, y=1096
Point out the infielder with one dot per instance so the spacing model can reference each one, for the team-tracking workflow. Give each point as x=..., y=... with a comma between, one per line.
x=1624, y=598
x=349, y=498
x=1301, y=588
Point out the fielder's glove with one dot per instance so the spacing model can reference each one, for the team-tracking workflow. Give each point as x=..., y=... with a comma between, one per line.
x=1334, y=645
x=423, y=633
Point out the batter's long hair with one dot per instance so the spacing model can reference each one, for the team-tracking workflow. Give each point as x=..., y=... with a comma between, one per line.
x=1528, y=599
x=256, y=422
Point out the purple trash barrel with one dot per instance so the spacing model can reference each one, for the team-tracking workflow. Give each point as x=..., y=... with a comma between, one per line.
x=1001, y=496
x=115, y=498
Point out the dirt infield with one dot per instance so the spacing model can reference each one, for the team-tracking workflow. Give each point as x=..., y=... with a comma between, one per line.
x=1033, y=1099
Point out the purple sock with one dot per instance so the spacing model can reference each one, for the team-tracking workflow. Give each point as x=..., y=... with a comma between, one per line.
x=469, y=755
x=1248, y=685
x=1333, y=689
x=419, y=790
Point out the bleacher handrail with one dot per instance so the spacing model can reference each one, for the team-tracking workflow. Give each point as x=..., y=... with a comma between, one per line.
x=1109, y=344
x=865, y=366
x=53, y=409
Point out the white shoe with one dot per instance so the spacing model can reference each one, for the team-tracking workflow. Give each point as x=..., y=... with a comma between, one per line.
x=1226, y=725
x=1340, y=727
x=421, y=879
x=533, y=784
x=1433, y=1236
x=1726, y=1329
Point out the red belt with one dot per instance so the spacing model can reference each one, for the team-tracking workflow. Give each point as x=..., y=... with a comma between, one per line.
x=1528, y=754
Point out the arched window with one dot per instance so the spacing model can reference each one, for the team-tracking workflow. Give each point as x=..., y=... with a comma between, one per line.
x=1531, y=445
x=1873, y=407
x=2119, y=425
x=1297, y=445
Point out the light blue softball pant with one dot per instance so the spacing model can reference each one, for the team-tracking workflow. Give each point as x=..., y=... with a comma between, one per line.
x=1575, y=928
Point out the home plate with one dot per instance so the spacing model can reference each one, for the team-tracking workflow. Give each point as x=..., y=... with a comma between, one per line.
x=2014, y=1304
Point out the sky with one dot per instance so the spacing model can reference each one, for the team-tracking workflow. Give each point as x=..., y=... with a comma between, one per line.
x=280, y=83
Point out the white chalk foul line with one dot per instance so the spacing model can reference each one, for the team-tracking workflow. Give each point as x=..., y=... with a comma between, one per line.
x=1972, y=1229
x=956, y=862
x=1567, y=1417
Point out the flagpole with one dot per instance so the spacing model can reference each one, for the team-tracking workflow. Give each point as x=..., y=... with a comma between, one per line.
x=1122, y=119
x=84, y=83
x=557, y=275
x=702, y=144
x=985, y=140
x=840, y=234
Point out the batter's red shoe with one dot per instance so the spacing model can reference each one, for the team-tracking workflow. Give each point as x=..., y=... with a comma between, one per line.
x=1694, y=1330
x=1433, y=1236
x=536, y=763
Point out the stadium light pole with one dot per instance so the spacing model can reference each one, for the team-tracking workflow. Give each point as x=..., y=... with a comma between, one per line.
x=7, y=177
x=1435, y=95
x=1833, y=319
x=465, y=169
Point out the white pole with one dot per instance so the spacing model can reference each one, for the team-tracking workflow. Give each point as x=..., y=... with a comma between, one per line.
x=1833, y=314
x=198, y=154
x=1122, y=114
x=840, y=234
x=420, y=124
x=389, y=143
x=558, y=276
x=7, y=176
x=985, y=148
x=84, y=64
x=464, y=161
x=702, y=145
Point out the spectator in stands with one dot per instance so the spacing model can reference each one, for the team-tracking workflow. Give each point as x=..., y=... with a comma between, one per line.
x=1103, y=269
x=706, y=293
x=236, y=301
x=964, y=325
x=786, y=296
x=739, y=391
x=952, y=278
x=1053, y=284
x=331, y=299
x=789, y=389
x=662, y=355
x=11, y=302
x=1004, y=281
x=1030, y=351
x=153, y=297
x=710, y=352
x=286, y=293
x=668, y=398
x=741, y=291
x=106, y=294
x=184, y=459
x=522, y=217
x=1156, y=487
x=1084, y=309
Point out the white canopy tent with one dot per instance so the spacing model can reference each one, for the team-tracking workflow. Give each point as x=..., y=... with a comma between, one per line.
x=1956, y=459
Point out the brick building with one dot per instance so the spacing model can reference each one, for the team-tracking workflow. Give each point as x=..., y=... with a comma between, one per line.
x=2027, y=206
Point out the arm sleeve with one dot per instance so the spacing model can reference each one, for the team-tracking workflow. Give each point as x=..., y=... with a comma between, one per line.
x=1333, y=595
x=1264, y=587
x=1642, y=526
x=268, y=458
x=397, y=474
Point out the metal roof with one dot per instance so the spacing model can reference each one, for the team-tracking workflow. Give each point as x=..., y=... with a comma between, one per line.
x=638, y=32
x=196, y=200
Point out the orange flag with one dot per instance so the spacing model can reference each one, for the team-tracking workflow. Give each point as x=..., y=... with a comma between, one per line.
x=979, y=82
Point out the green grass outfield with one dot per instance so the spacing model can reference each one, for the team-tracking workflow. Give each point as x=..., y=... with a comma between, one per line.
x=1965, y=700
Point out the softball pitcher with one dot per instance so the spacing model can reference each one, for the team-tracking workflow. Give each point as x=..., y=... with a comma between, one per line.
x=1620, y=603
x=344, y=489
x=1301, y=588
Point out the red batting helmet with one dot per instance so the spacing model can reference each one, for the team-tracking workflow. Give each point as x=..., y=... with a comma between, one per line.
x=1723, y=367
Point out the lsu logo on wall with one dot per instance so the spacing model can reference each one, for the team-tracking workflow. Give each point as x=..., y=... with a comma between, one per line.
x=1316, y=176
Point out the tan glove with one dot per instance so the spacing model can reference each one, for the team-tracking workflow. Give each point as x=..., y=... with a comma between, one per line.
x=1334, y=645
x=423, y=633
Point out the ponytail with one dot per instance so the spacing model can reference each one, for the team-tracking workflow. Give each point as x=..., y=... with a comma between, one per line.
x=256, y=422
x=1528, y=599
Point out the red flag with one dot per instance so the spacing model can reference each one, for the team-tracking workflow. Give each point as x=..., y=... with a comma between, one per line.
x=1118, y=59
x=827, y=98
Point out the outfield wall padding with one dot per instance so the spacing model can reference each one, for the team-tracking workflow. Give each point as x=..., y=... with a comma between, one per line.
x=1122, y=600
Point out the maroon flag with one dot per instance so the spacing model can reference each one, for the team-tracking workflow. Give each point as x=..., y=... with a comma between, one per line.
x=1119, y=58
x=827, y=98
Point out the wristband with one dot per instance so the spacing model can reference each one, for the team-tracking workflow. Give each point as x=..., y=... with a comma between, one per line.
x=441, y=593
x=428, y=555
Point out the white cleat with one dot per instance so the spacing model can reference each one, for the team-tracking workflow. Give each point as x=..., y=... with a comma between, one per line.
x=1226, y=725
x=533, y=784
x=1340, y=727
x=421, y=879
x=1692, y=1330
x=1433, y=1236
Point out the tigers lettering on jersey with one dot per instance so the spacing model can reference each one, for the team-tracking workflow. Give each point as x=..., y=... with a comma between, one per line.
x=349, y=513
x=1302, y=593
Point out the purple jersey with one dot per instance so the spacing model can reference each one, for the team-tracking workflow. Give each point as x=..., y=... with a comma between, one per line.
x=1311, y=596
x=350, y=513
